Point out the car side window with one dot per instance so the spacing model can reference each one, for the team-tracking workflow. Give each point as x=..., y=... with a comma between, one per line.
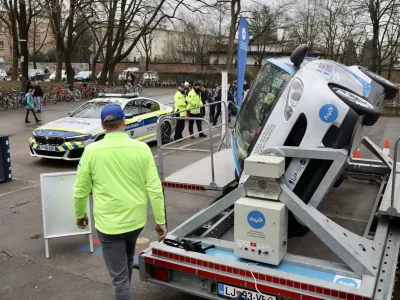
x=148, y=106
x=132, y=108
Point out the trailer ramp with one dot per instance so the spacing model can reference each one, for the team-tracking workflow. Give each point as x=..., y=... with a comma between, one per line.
x=198, y=176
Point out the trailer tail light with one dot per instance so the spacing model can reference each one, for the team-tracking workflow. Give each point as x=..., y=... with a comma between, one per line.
x=161, y=274
x=183, y=186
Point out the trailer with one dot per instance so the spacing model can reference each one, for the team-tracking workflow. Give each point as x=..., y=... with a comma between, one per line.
x=351, y=251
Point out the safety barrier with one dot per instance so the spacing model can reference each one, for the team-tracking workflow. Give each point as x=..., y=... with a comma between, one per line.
x=172, y=116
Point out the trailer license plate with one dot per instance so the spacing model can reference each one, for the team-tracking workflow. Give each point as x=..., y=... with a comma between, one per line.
x=231, y=291
x=47, y=148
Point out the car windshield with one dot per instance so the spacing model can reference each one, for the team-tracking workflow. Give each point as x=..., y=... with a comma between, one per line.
x=257, y=107
x=90, y=110
x=83, y=73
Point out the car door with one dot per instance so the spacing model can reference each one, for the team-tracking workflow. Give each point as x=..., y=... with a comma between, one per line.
x=151, y=112
x=134, y=125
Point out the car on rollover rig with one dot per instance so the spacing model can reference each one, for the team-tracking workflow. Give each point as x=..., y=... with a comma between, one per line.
x=307, y=103
x=66, y=138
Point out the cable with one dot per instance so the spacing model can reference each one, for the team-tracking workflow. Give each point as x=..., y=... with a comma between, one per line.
x=255, y=280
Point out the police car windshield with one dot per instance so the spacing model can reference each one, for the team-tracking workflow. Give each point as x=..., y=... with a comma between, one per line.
x=90, y=110
x=257, y=107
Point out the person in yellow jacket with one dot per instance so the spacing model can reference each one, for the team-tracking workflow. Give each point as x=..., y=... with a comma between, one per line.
x=122, y=175
x=180, y=104
x=194, y=100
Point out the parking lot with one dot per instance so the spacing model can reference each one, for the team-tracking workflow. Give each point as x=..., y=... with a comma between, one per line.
x=73, y=272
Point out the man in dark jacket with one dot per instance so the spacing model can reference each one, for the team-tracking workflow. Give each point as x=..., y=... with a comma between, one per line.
x=37, y=95
x=217, y=98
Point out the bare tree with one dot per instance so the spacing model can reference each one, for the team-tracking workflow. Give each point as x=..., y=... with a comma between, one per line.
x=39, y=32
x=147, y=44
x=8, y=17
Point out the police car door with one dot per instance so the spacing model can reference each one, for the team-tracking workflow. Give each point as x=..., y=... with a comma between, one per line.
x=151, y=112
x=133, y=120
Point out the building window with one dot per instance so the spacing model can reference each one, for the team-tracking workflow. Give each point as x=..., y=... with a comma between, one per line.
x=1, y=59
x=1, y=45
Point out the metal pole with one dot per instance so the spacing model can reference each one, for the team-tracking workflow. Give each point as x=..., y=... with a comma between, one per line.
x=159, y=148
x=224, y=99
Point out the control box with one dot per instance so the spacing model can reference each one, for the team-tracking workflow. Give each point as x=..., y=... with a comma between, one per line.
x=264, y=166
x=260, y=230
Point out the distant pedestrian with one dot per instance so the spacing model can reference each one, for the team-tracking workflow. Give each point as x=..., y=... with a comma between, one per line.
x=203, y=93
x=217, y=98
x=38, y=94
x=30, y=105
x=194, y=100
x=210, y=100
x=180, y=106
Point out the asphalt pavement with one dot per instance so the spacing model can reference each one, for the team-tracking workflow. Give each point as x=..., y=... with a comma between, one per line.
x=72, y=272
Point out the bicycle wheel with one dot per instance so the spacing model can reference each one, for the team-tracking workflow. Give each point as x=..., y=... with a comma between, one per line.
x=3, y=105
x=12, y=102
x=77, y=95
x=54, y=97
x=138, y=88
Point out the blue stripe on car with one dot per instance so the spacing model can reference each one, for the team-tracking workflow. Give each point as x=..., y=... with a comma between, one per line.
x=57, y=133
x=281, y=65
x=366, y=85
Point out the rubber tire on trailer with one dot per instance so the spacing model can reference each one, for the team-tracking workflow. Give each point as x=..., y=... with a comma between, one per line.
x=165, y=129
x=391, y=90
x=338, y=182
x=371, y=115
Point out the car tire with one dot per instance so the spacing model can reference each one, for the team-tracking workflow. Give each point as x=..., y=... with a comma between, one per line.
x=371, y=114
x=391, y=89
x=165, y=132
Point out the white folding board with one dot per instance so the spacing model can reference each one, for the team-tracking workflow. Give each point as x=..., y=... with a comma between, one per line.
x=58, y=208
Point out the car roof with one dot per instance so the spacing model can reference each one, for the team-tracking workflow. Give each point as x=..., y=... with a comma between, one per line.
x=121, y=101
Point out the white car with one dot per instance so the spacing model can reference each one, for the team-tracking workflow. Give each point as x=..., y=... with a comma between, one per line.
x=63, y=76
x=122, y=75
x=150, y=78
x=66, y=138
x=3, y=75
x=307, y=103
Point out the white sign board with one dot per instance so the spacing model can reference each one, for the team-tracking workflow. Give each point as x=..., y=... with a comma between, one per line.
x=58, y=208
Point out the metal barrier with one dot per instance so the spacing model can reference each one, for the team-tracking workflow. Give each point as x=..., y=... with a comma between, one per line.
x=172, y=116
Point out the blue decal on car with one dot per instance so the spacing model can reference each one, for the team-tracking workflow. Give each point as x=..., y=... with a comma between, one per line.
x=256, y=219
x=328, y=113
x=302, y=162
x=347, y=281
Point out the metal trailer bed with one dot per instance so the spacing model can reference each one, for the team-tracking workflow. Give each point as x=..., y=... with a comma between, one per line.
x=351, y=252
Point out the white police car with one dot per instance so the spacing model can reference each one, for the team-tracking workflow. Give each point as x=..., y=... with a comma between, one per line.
x=309, y=103
x=66, y=138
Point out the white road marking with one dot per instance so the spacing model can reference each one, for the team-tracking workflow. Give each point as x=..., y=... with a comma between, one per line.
x=21, y=189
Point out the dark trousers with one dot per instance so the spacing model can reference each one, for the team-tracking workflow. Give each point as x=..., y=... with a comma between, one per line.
x=118, y=252
x=219, y=107
x=27, y=114
x=198, y=123
x=180, y=126
x=212, y=112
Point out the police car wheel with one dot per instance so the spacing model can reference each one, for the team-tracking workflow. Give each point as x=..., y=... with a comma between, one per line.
x=391, y=89
x=165, y=132
x=359, y=104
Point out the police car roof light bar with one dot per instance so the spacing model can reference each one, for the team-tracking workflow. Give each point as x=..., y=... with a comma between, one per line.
x=115, y=95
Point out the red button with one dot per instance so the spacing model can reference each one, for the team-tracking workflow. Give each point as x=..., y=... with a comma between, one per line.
x=252, y=250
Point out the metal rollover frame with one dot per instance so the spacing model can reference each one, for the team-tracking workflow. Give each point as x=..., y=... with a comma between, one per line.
x=371, y=259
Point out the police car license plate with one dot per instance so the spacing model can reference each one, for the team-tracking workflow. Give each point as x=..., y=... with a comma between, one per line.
x=47, y=148
x=231, y=291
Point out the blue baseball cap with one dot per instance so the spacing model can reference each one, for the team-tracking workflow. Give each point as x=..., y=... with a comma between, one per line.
x=113, y=110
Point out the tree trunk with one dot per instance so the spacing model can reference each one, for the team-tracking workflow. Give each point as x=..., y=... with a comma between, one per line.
x=104, y=73
x=59, y=62
x=34, y=62
x=69, y=69
x=111, y=69
x=14, y=74
x=374, y=50
x=93, y=77
x=147, y=62
x=231, y=43
x=25, y=64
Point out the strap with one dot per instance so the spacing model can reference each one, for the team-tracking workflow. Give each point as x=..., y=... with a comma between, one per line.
x=188, y=245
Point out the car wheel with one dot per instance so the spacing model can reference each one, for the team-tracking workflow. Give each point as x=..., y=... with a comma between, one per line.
x=165, y=132
x=338, y=182
x=391, y=89
x=359, y=104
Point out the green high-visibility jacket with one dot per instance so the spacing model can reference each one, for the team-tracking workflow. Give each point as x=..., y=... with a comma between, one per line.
x=122, y=175
x=194, y=99
x=180, y=103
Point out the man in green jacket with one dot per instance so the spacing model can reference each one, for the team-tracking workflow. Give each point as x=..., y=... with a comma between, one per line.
x=180, y=106
x=194, y=100
x=122, y=175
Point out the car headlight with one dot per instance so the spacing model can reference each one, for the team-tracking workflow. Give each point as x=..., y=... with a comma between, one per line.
x=351, y=97
x=293, y=98
x=80, y=138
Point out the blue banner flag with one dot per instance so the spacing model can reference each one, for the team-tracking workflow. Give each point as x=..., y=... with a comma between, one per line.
x=243, y=42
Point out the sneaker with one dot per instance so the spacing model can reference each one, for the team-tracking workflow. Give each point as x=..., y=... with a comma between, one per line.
x=192, y=137
x=202, y=135
x=38, y=121
x=39, y=112
x=26, y=122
